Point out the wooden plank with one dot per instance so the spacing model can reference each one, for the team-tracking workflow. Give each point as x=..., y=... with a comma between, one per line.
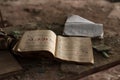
x=101, y=63
x=80, y=71
x=8, y=64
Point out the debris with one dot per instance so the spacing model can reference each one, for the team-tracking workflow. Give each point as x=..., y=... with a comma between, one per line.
x=3, y=40
x=31, y=26
x=78, y=26
x=11, y=42
x=115, y=13
x=3, y=44
x=114, y=0
x=103, y=49
x=6, y=41
x=1, y=20
x=2, y=33
x=32, y=10
x=15, y=34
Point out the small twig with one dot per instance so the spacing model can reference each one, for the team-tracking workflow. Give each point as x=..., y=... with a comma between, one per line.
x=1, y=19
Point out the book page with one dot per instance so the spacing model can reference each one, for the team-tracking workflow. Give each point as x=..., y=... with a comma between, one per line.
x=76, y=49
x=38, y=40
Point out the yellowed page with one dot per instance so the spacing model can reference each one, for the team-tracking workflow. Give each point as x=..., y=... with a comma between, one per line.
x=38, y=40
x=76, y=49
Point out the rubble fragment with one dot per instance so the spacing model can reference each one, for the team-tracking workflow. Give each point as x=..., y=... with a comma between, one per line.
x=103, y=49
x=78, y=26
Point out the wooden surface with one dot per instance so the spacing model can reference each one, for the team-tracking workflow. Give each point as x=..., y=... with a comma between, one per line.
x=101, y=63
x=46, y=14
x=71, y=71
x=8, y=64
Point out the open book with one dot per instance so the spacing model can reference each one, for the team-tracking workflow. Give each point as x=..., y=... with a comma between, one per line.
x=77, y=49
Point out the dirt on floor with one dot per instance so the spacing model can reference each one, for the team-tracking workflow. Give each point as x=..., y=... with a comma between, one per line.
x=51, y=14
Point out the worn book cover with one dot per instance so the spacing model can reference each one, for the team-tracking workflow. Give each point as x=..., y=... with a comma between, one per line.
x=76, y=49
